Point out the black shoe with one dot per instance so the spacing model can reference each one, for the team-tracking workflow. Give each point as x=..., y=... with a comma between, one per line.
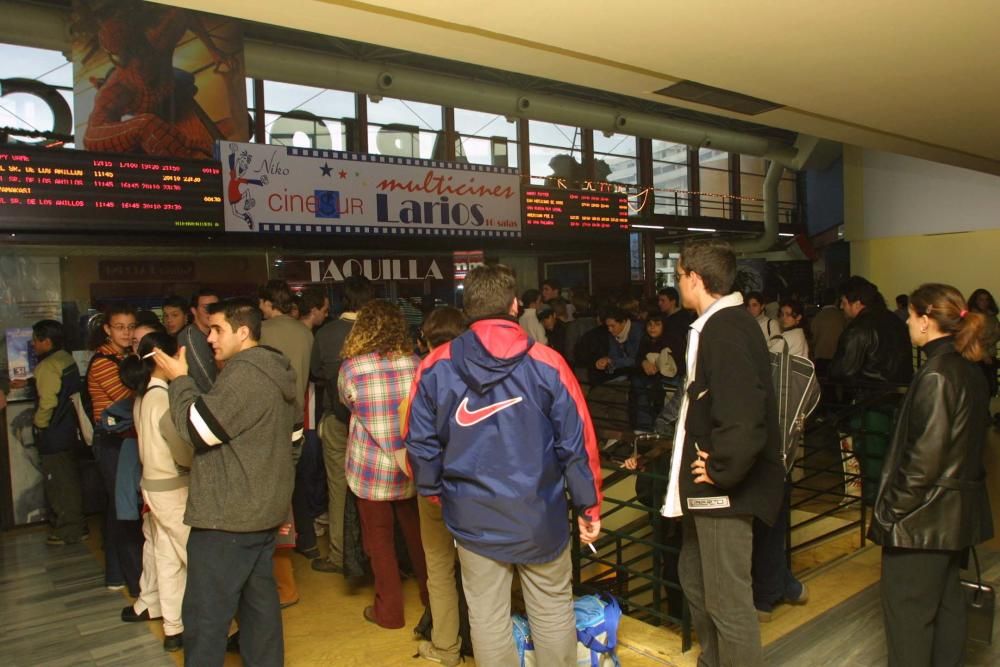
x=326, y=565
x=129, y=615
x=173, y=643
x=311, y=553
x=233, y=643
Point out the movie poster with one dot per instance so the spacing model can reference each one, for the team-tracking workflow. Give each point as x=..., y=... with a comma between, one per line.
x=156, y=80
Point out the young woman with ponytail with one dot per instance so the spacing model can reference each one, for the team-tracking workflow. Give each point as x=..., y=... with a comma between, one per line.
x=932, y=504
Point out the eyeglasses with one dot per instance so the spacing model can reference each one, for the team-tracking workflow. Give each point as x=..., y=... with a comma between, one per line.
x=123, y=327
x=678, y=274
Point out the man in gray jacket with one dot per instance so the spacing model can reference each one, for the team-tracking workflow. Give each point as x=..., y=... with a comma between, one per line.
x=241, y=486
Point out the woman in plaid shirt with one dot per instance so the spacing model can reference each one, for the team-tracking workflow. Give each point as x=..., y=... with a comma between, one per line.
x=376, y=375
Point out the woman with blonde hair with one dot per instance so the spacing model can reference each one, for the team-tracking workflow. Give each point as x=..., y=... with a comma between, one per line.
x=932, y=505
x=378, y=369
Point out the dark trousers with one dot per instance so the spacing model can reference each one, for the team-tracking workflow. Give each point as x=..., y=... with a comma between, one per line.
x=62, y=490
x=715, y=574
x=310, y=482
x=378, y=537
x=773, y=582
x=123, y=540
x=646, y=397
x=230, y=575
x=924, y=607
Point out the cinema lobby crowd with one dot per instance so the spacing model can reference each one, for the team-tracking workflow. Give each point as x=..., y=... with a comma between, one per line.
x=283, y=427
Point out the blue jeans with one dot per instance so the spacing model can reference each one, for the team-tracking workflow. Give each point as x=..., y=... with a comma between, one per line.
x=230, y=575
x=123, y=540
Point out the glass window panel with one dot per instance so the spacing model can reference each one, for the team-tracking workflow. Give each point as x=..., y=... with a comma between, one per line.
x=305, y=116
x=404, y=141
x=390, y=110
x=29, y=63
x=478, y=124
x=548, y=162
x=670, y=177
x=615, y=158
x=323, y=102
x=751, y=186
x=479, y=150
x=555, y=152
x=551, y=134
x=714, y=182
x=485, y=138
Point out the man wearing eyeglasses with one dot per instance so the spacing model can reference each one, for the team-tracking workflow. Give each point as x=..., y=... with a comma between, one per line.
x=122, y=539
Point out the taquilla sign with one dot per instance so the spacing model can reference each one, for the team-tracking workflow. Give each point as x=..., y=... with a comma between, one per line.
x=314, y=191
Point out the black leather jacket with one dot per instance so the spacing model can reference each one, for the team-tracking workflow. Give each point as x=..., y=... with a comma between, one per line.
x=874, y=347
x=933, y=489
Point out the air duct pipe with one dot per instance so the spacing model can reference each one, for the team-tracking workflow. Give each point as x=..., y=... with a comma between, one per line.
x=283, y=63
x=765, y=241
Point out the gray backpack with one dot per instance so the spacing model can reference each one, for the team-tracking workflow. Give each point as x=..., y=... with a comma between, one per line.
x=797, y=392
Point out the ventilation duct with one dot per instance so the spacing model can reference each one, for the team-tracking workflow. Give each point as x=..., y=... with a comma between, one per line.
x=699, y=93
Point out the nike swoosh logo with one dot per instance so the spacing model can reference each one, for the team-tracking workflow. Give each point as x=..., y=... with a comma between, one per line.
x=466, y=417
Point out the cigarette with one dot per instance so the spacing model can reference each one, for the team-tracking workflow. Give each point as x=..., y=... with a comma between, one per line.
x=591, y=545
x=148, y=355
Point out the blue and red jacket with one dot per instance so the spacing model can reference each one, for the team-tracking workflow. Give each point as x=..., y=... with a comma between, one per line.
x=499, y=430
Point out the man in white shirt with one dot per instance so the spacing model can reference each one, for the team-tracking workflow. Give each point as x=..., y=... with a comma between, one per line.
x=532, y=300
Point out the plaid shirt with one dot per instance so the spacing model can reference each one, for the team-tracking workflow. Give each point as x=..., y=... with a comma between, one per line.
x=372, y=386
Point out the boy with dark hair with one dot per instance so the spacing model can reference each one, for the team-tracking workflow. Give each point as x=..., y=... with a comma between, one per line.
x=724, y=470
x=194, y=339
x=175, y=311
x=56, y=379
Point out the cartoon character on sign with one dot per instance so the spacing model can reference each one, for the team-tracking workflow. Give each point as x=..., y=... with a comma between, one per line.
x=239, y=163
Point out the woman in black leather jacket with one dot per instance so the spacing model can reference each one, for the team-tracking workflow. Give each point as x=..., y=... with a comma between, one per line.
x=932, y=503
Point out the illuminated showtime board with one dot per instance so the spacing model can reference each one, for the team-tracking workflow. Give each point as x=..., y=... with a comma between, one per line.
x=554, y=213
x=77, y=191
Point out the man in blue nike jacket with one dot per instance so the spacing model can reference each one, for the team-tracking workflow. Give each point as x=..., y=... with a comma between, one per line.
x=497, y=431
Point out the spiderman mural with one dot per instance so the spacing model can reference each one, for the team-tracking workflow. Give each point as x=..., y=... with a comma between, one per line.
x=161, y=82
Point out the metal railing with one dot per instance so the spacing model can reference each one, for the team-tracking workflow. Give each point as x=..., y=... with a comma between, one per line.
x=635, y=557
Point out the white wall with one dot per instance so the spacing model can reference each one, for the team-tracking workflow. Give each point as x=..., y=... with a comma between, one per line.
x=904, y=196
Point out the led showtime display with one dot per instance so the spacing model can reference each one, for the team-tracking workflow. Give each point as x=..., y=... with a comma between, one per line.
x=554, y=213
x=74, y=191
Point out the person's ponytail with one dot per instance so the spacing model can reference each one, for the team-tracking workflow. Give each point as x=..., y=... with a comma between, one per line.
x=974, y=336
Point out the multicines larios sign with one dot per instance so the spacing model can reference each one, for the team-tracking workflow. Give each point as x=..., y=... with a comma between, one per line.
x=307, y=190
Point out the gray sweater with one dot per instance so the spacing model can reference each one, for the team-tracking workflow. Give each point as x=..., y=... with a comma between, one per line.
x=242, y=472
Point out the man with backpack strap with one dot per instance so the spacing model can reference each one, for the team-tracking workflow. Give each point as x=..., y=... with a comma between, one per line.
x=56, y=379
x=725, y=468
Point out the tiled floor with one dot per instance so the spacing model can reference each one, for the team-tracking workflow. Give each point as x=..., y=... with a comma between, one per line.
x=55, y=611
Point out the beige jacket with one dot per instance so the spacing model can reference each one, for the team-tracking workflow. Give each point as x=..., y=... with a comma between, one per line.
x=166, y=459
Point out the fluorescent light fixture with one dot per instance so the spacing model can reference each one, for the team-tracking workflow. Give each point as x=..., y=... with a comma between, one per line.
x=647, y=227
x=700, y=229
x=785, y=234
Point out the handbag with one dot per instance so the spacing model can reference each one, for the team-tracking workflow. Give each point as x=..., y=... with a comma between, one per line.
x=980, y=603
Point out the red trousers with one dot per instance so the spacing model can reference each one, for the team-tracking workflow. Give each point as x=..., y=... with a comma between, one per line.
x=378, y=536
